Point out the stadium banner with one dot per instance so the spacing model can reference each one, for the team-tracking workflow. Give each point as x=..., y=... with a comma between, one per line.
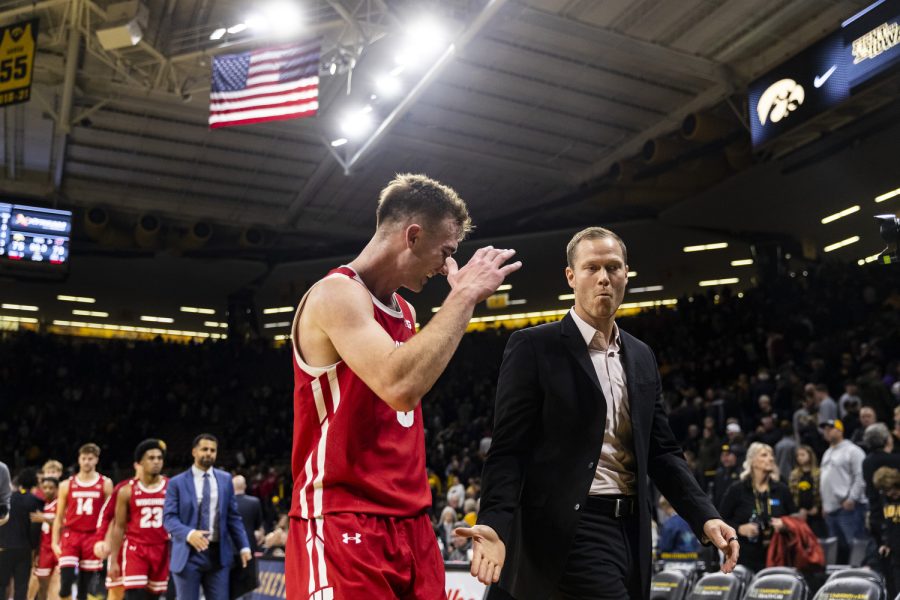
x=460, y=584
x=827, y=73
x=18, y=44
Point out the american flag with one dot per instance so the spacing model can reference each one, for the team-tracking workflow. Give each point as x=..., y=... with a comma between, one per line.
x=269, y=84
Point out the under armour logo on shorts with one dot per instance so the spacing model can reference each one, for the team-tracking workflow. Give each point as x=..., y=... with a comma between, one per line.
x=407, y=323
x=355, y=538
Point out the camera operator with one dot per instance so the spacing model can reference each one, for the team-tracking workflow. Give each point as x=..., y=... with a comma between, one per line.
x=755, y=504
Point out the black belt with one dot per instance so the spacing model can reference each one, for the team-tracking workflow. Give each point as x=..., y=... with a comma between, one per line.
x=612, y=506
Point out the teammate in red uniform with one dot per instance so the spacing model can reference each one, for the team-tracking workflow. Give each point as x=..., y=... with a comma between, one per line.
x=139, y=516
x=114, y=586
x=47, y=560
x=75, y=526
x=359, y=527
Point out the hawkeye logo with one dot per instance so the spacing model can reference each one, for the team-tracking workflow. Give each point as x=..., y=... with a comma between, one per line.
x=779, y=100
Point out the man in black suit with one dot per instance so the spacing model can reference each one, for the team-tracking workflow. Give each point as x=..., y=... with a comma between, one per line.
x=243, y=581
x=579, y=428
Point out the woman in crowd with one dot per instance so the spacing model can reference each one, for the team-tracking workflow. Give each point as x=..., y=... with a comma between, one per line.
x=755, y=504
x=804, y=484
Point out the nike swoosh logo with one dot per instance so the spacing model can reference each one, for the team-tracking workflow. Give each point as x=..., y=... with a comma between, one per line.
x=820, y=80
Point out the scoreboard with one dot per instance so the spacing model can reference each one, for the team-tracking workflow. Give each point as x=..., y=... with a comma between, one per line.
x=34, y=235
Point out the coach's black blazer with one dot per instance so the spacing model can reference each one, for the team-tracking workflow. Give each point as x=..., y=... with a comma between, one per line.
x=548, y=434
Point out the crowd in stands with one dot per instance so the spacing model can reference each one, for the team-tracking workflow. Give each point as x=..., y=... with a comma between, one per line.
x=759, y=385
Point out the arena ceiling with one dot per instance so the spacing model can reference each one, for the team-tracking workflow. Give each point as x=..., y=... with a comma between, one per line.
x=538, y=120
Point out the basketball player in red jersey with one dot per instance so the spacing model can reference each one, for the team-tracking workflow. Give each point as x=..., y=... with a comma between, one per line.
x=115, y=589
x=139, y=517
x=359, y=527
x=47, y=560
x=74, y=530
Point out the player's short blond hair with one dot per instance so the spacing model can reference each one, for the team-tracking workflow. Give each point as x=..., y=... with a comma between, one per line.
x=52, y=465
x=90, y=448
x=411, y=195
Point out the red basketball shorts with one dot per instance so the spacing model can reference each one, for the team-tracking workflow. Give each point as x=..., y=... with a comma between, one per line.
x=117, y=582
x=47, y=561
x=78, y=550
x=146, y=566
x=347, y=556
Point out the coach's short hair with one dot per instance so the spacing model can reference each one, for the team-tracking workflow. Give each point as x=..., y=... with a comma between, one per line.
x=410, y=195
x=90, y=448
x=591, y=233
x=204, y=436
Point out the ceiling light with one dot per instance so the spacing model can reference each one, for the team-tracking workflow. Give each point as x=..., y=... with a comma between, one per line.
x=338, y=142
x=711, y=282
x=153, y=319
x=888, y=195
x=356, y=123
x=838, y=215
x=194, y=309
x=82, y=299
x=504, y=288
x=237, y=28
x=632, y=273
x=90, y=313
x=744, y=262
x=702, y=247
x=278, y=309
x=389, y=85
x=215, y=324
x=218, y=34
x=283, y=18
x=649, y=288
x=282, y=337
x=279, y=324
x=566, y=296
x=23, y=307
x=257, y=22
x=11, y=319
x=842, y=243
x=425, y=36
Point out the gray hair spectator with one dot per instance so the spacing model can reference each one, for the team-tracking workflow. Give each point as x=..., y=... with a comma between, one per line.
x=880, y=442
x=867, y=416
x=5, y=493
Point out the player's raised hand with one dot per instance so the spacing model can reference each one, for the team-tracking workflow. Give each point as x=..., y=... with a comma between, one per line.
x=488, y=552
x=484, y=272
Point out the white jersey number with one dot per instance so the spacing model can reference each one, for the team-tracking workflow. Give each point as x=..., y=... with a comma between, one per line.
x=151, y=517
x=84, y=506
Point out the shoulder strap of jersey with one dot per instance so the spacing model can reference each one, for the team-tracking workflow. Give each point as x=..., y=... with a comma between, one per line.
x=405, y=309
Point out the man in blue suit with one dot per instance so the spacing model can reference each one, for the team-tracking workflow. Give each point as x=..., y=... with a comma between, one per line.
x=201, y=515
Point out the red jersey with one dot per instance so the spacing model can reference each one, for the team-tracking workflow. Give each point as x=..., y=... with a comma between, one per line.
x=145, y=514
x=108, y=510
x=84, y=504
x=352, y=452
x=47, y=528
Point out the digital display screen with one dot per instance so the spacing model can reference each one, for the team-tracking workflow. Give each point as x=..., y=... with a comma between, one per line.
x=30, y=234
x=826, y=73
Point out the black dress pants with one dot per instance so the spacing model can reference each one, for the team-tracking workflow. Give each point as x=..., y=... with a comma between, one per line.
x=15, y=564
x=603, y=561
